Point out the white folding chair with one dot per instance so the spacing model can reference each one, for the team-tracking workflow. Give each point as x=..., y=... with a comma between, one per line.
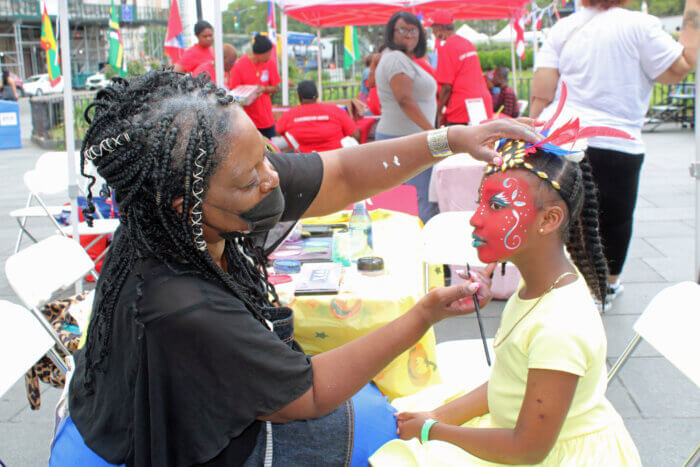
x=461, y=362
x=447, y=239
x=670, y=324
x=522, y=106
x=40, y=270
x=23, y=342
x=39, y=184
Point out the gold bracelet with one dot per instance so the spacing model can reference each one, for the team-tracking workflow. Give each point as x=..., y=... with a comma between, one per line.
x=438, y=144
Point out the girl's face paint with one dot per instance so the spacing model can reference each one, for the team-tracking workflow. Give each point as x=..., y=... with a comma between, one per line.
x=506, y=211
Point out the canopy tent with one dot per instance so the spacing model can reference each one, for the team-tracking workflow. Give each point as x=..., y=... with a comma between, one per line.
x=508, y=32
x=471, y=35
x=337, y=13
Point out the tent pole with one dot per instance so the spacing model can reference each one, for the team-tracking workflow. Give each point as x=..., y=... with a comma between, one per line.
x=695, y=171
x=285, y=59
x=514, y=75
x=218, y=45
x=534, y=34
x=319, y=64
x=73, y=189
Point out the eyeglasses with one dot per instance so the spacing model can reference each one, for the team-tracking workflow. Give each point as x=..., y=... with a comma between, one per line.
x=410, y=32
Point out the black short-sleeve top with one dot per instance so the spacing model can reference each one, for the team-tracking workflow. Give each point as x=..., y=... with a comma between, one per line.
x=190, y=368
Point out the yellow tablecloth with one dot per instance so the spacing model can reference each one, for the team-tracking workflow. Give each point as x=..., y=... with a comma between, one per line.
x=323, y=322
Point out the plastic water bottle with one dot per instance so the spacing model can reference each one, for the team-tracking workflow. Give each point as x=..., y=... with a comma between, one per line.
x=360, y=227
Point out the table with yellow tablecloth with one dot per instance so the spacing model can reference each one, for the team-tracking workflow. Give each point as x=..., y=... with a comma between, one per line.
x=324, y=322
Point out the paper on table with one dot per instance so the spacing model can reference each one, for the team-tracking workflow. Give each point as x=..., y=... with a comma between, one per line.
x=476, y=110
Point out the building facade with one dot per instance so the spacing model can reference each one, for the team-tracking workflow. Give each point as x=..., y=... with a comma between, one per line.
x=142, y=25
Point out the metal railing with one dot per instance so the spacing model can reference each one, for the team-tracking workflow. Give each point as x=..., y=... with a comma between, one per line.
x=47, y=118
x=81, y=11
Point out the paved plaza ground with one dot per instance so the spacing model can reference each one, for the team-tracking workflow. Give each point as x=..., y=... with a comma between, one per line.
x=660, y=406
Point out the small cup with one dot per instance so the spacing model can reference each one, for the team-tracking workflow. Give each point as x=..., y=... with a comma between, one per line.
x=286, y=266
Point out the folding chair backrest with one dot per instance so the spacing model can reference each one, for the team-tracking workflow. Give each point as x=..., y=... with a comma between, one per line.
x=23, y=341
x=38, y=271
x=670, y=324
x=447, y=239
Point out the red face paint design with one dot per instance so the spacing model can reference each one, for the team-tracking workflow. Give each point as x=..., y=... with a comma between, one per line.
x=506, y=210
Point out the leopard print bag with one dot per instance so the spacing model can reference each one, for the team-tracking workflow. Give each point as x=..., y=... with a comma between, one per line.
x=67, y=329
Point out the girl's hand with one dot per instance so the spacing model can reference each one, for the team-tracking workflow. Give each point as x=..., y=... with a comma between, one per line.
x=410, y=424
x=484, y=293
x=445, y=302
x=478, y=140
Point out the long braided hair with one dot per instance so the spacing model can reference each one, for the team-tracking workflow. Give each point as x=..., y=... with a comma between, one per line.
x=156, y=138
x=573, y=182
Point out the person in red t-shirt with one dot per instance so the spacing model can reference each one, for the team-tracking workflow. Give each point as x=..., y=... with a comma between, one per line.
x=230, y=56
x=199, y=53
x=459, y=72
x=316, y=127
x=258, y=69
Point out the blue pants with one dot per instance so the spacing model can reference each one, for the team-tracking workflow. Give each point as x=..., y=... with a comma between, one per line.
x=374, y=425
x=426, y=208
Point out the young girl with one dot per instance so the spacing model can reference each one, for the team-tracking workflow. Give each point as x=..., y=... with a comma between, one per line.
x=545, y=400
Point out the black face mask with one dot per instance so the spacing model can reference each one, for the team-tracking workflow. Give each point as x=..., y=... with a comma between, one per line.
x=260, y=218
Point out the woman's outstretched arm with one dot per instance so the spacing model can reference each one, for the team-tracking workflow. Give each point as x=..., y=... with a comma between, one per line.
x=359, y=172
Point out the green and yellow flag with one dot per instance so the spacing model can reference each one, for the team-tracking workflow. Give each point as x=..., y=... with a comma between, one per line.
x=116, y=49
x=48, y=43
x=352, y=48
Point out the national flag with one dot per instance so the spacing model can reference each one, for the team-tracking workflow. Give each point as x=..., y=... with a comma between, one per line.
x=48, y=43
x=272, y=31
x=174, y=43
x=352, y=48
x=517, y=24
x=116, y=49
x=271, y=25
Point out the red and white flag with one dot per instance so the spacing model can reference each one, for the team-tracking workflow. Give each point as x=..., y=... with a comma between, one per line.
x=519, y=28
x=174, y=43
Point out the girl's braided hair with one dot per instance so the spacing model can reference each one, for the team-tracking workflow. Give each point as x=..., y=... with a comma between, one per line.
x=156, y=138
x=573, y=182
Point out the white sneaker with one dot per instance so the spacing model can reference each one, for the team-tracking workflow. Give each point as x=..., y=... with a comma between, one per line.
x=614, y=290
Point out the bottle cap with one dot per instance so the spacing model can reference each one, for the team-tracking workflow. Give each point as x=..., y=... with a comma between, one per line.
x=286, y=266
x=370, y=264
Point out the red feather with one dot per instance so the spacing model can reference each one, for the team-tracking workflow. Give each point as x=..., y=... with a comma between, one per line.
x=591, y=131
x=562, y=101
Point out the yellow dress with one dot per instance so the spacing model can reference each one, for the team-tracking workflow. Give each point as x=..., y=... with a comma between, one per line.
x=563, y=332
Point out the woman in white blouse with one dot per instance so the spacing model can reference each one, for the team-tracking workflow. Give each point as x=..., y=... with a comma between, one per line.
x=610, y=57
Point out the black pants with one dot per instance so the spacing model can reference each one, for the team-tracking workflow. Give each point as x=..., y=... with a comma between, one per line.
x=617, y=176
x=268, y=132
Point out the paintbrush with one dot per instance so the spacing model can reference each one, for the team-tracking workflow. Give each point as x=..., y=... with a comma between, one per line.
x=478, y=318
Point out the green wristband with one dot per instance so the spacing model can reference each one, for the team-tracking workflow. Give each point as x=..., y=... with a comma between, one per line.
x=425, y=431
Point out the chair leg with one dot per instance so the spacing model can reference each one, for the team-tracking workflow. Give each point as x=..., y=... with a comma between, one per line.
x=50, y=329
x=694, y=459
x=22, y=224
x=624, y=357
x=57, y=360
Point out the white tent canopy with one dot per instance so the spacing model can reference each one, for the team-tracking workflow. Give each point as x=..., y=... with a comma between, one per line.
x=508, y=34
x=471, y=35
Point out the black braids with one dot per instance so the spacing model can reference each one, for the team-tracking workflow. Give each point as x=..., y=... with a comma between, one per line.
x=151, y=163
x=574, y=184
x=591, y=232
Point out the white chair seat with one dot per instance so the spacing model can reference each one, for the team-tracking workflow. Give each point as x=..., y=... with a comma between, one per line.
x=23, y=341
x=99, y=227
x=36, y=211
x=462, y=362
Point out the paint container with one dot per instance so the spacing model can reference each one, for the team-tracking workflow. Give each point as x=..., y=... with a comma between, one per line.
x=284, y=285
x=371, y=266
x=286, y=266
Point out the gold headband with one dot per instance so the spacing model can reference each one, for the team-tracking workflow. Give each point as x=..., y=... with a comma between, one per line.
x=513, y=157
